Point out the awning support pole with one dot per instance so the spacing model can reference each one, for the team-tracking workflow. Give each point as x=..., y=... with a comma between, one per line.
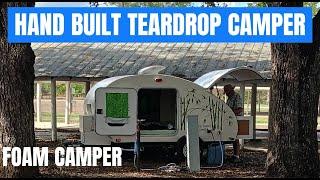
x=53, y=111
x=242, y=94
x=254, y=107
x=38, y=102
x=68, y=103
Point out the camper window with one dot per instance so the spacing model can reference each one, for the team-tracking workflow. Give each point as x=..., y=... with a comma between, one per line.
x=117, y=105
x=158, y=108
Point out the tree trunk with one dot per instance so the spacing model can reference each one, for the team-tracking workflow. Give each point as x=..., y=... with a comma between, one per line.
x=293, y=146
x=16, y=96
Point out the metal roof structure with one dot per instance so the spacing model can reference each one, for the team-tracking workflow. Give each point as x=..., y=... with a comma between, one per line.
x=239, y=74
x=187, y=60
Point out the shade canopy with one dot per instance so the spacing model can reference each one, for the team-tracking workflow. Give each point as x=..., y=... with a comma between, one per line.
x=238, y=74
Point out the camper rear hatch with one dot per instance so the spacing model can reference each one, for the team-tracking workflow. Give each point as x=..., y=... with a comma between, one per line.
x=116, y=111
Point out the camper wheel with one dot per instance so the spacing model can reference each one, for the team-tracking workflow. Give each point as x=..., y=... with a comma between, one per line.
x=181, y=149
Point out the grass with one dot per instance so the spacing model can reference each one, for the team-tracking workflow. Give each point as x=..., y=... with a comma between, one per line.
x=262, y=119
x=46, y=117
x=263, y=108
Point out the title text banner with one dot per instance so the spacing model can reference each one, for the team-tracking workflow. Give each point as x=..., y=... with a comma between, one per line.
x=106, y=24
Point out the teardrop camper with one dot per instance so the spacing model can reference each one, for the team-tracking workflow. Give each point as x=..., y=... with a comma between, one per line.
x=113, y=106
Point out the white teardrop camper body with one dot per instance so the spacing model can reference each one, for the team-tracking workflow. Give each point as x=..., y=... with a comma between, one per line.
x=113, y=106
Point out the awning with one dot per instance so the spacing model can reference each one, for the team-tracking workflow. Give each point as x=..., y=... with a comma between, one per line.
x=238, y=74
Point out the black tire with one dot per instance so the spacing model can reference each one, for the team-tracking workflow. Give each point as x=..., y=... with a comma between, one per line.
x=179, y=156
x=179, y=150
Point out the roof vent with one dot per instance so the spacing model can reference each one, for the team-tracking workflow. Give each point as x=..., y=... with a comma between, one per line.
x=156, y=69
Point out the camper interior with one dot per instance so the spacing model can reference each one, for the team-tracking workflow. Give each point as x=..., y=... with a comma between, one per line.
x=158, y=109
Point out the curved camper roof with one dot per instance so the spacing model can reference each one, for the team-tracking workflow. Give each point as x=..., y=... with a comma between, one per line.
x=103, y=83
x=138, y=80
x=239, y=74
x=156, y=69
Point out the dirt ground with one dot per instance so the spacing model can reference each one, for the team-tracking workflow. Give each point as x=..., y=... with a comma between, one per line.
x=252, y=165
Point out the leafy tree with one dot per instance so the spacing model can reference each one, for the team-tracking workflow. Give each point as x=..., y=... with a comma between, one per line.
x=45, y=88
x=160, y=4
x=61, y=89
x=16, y=95
x=144, y=4
x=314, y=5
x=215, y=4
x=293, y=145
x=78, y=89
x=258, y=4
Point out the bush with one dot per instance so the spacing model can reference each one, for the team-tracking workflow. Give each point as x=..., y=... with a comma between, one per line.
x=61, y=89
x=78, y=89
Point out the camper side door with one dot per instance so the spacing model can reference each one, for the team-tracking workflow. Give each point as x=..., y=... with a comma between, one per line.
x=116, y=111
